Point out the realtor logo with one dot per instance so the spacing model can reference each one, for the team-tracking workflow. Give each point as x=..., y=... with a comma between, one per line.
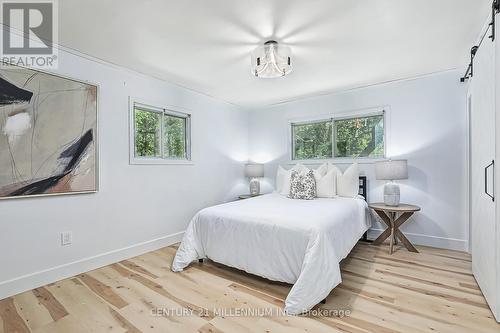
x=28, y=33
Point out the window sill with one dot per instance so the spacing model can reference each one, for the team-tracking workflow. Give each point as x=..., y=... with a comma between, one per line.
x=339, y=161
x=159, y=161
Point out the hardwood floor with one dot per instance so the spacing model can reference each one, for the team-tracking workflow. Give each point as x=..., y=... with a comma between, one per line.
x=431, y=291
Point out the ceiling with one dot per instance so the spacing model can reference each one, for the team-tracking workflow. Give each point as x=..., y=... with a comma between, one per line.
x=337, y=44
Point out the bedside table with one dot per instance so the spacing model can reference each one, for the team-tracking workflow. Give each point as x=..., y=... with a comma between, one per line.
x=247, y=196
x=389, y=214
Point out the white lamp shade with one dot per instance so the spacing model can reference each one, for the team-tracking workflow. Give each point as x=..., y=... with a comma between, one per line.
x=254, y=170
x=391, y=170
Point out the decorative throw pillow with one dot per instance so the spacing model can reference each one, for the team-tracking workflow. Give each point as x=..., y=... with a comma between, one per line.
x=302, y=186
x=283, y=178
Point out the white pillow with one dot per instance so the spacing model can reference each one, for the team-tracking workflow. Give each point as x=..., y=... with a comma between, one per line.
x=301, y=168
x=325, y=184
x=347, y=182
x=334, y=168
x=283, y=178
x=322, y=169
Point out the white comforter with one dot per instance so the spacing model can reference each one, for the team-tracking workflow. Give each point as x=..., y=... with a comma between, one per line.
x=294, y=241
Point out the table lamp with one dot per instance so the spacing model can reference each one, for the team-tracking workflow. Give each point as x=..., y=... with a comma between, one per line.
x=391, y=170
x=253, y=171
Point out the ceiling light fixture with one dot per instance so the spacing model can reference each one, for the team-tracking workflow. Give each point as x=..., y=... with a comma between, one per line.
x=271, y=60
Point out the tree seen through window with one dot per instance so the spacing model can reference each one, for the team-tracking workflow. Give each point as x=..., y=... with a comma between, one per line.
x=160, y=135
x=347, y=137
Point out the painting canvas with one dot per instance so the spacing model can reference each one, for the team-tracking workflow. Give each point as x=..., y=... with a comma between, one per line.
x=48, y=134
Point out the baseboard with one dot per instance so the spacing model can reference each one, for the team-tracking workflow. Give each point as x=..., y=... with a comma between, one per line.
x=427, y=240
x=34, y=280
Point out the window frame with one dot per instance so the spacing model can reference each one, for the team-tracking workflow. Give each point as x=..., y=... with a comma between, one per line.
x=173, y=111
x=377, y=111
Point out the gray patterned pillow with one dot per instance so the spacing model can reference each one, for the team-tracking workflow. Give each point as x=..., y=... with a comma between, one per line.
x=302, y=186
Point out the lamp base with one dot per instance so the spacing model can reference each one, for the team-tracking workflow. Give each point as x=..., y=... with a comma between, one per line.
x=254, y=186
x=391, y=194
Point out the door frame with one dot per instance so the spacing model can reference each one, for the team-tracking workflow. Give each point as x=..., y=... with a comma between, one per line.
x=468, y=153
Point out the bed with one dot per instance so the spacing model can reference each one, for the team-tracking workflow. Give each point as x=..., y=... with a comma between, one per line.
x=300, y=242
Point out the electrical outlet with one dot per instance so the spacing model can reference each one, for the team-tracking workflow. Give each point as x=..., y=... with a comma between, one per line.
x=66, y=238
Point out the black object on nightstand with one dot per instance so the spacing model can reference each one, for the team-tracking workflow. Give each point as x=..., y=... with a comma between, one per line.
x=363, y=190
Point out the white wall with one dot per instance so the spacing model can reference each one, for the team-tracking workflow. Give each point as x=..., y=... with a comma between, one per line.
x=138, y=207
x=426, y=125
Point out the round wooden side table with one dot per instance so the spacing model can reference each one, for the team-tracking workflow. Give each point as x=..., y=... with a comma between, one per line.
x=394, y=217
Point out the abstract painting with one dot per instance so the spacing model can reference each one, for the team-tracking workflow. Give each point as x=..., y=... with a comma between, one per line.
x=48, y=134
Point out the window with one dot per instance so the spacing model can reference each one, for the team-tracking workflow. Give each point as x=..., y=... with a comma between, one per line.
x=147, y=133
x=349, y=137
x=160, y=134
x=312, y=140
x=359, y=137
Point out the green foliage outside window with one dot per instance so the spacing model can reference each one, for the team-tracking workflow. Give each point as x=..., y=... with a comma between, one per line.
x=174, y=135
x=159, y=135
x=147, y=133
x=312, y=140
x=351, y=137
x=360, y=137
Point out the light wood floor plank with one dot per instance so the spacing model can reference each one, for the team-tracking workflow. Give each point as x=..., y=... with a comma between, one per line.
x=31, y=309
x=408, y=265
x=156, y=287
x=209, y=328
x=142, y=301
x=55, y=309
x=438, y=276
x=416, y=287
x=102, y=290
x=391, y=317
x=443, y=311
x=428, y=251
x=130, y=264
x=65, y=325
x=86, y=308
x=12, y=321
x=276, y=289
x=425, y=261
x=430, y=291
x=226, y=325
x=124, y=323
x=339, y=326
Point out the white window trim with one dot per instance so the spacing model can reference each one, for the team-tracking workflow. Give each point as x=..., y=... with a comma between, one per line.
x=385, y=110
x=166, y=109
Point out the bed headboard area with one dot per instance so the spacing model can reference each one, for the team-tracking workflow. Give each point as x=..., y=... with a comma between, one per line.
x=363, y=190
